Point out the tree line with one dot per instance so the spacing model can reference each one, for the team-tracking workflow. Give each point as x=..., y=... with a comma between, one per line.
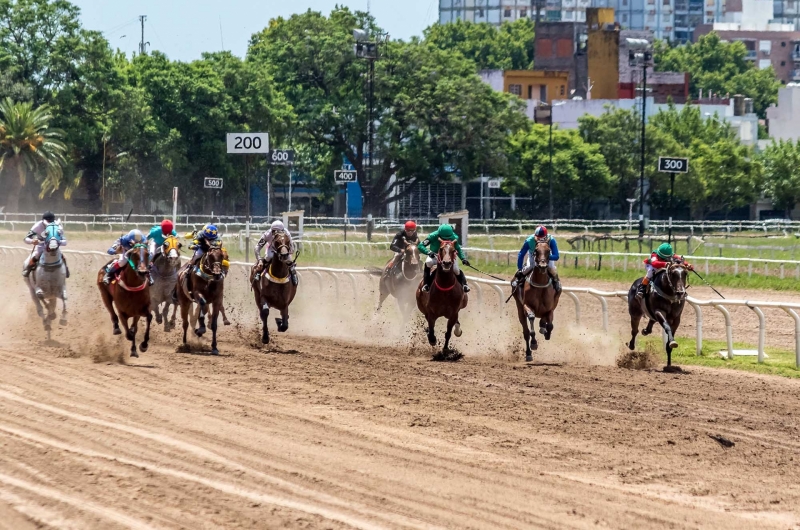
x=77, y=114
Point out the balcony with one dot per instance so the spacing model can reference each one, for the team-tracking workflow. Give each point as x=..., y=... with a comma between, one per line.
x=752, y=55
x=796, y=55
x=795, y=75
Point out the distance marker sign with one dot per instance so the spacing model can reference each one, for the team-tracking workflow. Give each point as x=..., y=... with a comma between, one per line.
x=212, y=183
x=670, y=164
x=247, y=143
x=343, y=176
x=281, y=157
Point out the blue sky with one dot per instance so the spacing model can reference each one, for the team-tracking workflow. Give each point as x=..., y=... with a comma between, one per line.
x=183, y=29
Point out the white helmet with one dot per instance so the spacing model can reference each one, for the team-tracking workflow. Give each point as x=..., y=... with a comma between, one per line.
x=277, y=226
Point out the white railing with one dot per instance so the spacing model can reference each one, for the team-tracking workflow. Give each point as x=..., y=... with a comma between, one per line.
x=337, y=274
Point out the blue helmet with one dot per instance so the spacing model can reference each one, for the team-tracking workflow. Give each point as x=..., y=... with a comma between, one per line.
x=136, y=236
x=210, y=232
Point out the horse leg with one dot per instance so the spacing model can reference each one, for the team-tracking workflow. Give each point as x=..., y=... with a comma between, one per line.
x=157, y=310
x=384, y=293
x=165, y=316
x=174, y=314
x=526, y=334
x=149, y=319
x=548, y=327
x=531, y=316
x=185, y=307
x=225, y=320
x=201, y=319
x=63, y=321
x=263, y=312
x=215, y=309
x=431, y=328
x=283, y=322
x=671, y=344
x=134, y=328
x=109, y=303
x=649, y=329
x=450, y=323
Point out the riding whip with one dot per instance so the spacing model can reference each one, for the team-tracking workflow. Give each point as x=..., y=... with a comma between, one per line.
x=486, y=274
x=708, y=284
x=129, y=215
x=513, y=290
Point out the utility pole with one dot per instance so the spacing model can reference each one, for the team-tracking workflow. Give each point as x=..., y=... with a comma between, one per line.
x=640, y=54
x=142, y=44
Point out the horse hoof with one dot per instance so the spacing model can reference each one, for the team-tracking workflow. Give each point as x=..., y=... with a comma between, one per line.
x=673, y=344
x=143, y=347
x=62, y=322
x=645, y=332
x=432, y=341
x=265, y=339
x=528, y=358
x=47, y=326
x=134, y=354
x=214, y=351
x=542, y=330
x=457, y=330
x=535, y=346
x=200, y=332
x=129, y=335
x=631, y=346
x=117, y=331
x=159, y=320
x=226, y=322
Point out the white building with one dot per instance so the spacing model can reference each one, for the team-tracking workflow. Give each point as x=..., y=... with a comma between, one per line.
x=784, y=120
x=498, y=11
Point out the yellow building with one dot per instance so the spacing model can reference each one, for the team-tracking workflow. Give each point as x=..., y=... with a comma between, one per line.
x=603, y=52
x=536, y=85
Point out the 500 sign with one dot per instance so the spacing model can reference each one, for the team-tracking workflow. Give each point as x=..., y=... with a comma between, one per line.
x=247, y=143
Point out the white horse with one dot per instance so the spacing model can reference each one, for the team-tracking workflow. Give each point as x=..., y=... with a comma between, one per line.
x=165, y=276
x=47, y=282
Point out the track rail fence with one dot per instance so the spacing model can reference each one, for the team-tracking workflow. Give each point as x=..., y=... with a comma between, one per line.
x=498, y=288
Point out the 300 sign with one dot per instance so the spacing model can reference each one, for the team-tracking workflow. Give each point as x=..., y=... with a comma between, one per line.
x=673, y=165
x=281, y=157
x=245, y=143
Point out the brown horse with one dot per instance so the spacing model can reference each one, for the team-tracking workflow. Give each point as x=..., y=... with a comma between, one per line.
x=206, y=283
x=663, y=303
x=274, y=289
x=536, y=296
x=445, y=298
x=130, y=293
x=400, y=281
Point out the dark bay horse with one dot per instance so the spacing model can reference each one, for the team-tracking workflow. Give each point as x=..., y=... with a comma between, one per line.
x=165, y=276
x=401, y=281
x=206, y=283
x=536, y=296
x=130, y=294
x=663, y=304
x=445, y=298
x=275, y=289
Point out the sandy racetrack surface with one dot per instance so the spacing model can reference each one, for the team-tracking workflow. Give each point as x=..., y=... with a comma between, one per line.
x=346, y=422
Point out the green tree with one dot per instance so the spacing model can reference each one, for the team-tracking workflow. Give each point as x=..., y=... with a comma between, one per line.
x=781, y=162
x=509, y=47
x=720, y=67
x=28, y=146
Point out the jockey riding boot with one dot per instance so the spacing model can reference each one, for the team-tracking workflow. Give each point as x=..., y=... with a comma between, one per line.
x=293, y=274
x=642, y=288
x=259, y=268
x=426, y=280
x=110, y=270
x=150, y=280
x=66, y=267
x=28, y=268
x=556, y=280
x=462, y=279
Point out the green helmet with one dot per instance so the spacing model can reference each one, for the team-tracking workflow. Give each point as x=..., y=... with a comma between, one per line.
x=664, y=251
x=446, y=232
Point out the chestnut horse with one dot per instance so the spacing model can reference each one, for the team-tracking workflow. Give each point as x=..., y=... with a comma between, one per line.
x=275, y=289
x=445, y=298
x=536, y=296
x=400, y=281
x=663, y=304
x=130, y=294
x=206, y=282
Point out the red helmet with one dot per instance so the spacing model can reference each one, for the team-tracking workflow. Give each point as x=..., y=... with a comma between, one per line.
x=540, y=232
x=167, y=226
x=411, y=225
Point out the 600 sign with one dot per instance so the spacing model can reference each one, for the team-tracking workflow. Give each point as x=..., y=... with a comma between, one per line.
x=281, y=157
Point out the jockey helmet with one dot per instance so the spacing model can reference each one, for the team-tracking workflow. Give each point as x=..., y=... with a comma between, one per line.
x=135, y=236
x=167, y=227
x=410, y=225
x=664, y=251
x=446, y=232
x=540, y=233
x=49, y=216
x=210, y=232
x=277, y=226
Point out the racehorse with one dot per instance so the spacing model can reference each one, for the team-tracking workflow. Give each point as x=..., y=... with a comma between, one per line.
x=164, y=271
x=445, y=298
x=663, y=304
x=206, y=282
x=130, y=294
x=274, y=289
x=47, y=282
x=536, y=296
x=400, y=281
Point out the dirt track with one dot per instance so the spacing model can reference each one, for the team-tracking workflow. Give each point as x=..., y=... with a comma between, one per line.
x=317, y=432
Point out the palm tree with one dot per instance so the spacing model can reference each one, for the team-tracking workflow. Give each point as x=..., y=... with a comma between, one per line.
x=28, y=146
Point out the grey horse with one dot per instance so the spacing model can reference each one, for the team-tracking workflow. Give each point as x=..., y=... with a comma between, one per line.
x=164, y=271
x=48, y=281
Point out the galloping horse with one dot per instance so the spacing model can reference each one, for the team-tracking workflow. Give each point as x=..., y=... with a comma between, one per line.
x=445, y=298
x=663, y=303
x=401, y=281
x=536, y=296
x=164, y=271
x=47, y=282
x=275, y=289
x=206, y=282
x=130, y=294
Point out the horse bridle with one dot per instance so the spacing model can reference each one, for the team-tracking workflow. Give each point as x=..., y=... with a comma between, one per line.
x=211, y=275
x=667, y=272
x=408, y=251
x=142, y=249
x=445, y=243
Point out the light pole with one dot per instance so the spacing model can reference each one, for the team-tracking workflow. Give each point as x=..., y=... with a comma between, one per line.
x=640, y=54
x=365, y=48
x=631, y=202
x=543, y=114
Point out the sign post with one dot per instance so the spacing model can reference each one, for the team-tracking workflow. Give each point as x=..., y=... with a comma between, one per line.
x=175, y=206
x=672, y=165
x=345, y=176
x=278, y=157
x=246, y=143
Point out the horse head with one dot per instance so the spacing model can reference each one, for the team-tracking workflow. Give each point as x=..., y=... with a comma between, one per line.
x=52, y=239
x=411, y=254
x=677, y=278
x=282, y=247
x=212, y=262
x=171, y=249
x=541, y=255
x=138, y=258
x=447, y=252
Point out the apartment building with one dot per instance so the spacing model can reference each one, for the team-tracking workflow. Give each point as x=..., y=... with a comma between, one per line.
x=673, y=20
x=499, y=11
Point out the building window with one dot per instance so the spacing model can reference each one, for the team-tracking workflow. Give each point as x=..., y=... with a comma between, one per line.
x=624, y=18
x=783, y=63
x=523, y=13
x=667, y=2
x=507, y=12
x=562, y=90
x=624, y=2
x=564, y=48
x=783, y=45
x=544, y=50
x=515, y=89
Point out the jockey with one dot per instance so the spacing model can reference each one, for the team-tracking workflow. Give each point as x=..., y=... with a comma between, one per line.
x=202, y=242
x=157, y=236
x=267, y=237
x=36, y=237
x=126, y=242
x=401, y=239
x=663, y=256
x=528, y=249
x=445, y=233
